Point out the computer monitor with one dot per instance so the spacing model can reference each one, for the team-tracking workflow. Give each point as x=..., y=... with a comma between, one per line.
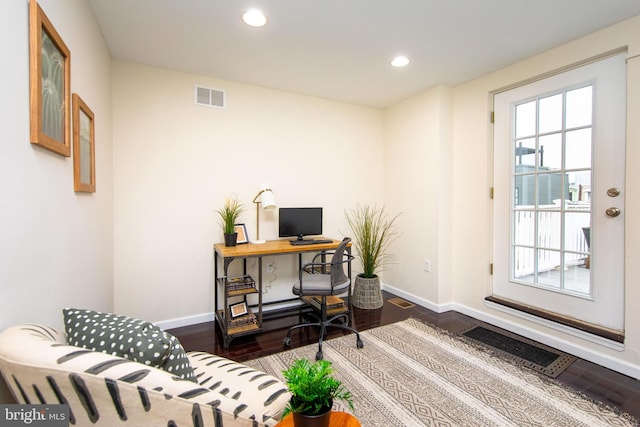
x=300, y=222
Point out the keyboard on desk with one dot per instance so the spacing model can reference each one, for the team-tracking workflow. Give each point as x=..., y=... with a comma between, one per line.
x=309, y=242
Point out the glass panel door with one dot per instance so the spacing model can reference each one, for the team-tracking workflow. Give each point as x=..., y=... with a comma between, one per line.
x=551, y=146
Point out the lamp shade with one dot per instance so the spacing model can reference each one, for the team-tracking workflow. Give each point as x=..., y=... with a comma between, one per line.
x=264, y=197
x=268, y=201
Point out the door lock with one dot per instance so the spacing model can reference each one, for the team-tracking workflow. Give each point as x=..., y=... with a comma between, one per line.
x=613, y=192
x=613, y=212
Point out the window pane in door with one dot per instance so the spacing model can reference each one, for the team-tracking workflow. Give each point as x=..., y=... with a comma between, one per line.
x=578, y=149
x=524, y=264
x=549, y=229
x=579, y=107
x=525, y=155
x=550, y=152
x=549, y=271
x=550, y=114
x=526, y=119
x=524, y=228
x=579, y=187
x=577, y=227
x=549, y=189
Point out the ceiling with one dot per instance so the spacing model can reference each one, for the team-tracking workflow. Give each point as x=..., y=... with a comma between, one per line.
x=341, y=49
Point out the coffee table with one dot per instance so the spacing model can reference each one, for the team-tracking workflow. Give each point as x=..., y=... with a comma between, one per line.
x=338, y=419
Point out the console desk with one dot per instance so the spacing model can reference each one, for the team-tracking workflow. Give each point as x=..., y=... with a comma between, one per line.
x=233, y=326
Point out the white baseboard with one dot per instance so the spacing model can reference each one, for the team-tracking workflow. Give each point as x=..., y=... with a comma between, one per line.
x=209, y=317
x=185, y=321
x=438, y=308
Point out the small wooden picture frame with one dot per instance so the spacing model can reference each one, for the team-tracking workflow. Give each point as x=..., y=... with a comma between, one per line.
x=241, y=229
x=84, y=156
x=50, y=84
x=237, y=310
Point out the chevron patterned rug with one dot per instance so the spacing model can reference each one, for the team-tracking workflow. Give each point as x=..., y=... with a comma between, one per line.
x=410, y=374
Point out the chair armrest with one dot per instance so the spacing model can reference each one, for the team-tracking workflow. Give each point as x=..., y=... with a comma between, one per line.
x=263, y=394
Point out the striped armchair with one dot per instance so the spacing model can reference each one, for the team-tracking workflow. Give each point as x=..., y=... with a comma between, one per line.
x=101, y=389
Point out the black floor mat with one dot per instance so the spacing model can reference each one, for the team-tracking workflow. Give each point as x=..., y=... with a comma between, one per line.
x=541, y=358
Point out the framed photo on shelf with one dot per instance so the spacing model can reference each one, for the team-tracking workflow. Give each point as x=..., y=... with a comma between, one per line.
x=84, y=157
x=237, y=310
x=50, y=83
x=241, y=229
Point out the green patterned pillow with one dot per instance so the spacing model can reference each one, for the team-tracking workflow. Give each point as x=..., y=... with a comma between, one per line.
x=178, y=363
x=122, y=336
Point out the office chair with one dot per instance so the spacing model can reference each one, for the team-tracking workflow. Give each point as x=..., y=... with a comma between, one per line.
x=323, y=279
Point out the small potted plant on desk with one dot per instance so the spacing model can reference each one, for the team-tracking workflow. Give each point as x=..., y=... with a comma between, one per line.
x=313, y=390
x=229, y=214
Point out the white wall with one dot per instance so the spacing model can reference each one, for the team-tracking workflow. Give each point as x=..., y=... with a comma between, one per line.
x=175, y=162
x=418, y=184
x=55, y=245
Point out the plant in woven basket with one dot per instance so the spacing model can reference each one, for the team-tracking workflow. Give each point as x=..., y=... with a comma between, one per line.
x=313, y=387
x=373, y=230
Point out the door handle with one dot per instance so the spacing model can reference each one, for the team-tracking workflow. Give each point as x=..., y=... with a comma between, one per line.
x=613, y=212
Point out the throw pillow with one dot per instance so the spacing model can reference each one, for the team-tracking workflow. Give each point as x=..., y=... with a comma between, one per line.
x=177, y=362
x=127, y=337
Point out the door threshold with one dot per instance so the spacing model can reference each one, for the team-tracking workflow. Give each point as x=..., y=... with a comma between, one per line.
x=590, y=328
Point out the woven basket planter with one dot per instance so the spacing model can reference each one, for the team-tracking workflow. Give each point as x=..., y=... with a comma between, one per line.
x=367, y=293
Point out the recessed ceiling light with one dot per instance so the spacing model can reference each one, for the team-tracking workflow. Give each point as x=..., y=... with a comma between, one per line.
x=254, y=17
x=400, y=61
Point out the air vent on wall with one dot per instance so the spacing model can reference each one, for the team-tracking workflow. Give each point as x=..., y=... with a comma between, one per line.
x=209, y=97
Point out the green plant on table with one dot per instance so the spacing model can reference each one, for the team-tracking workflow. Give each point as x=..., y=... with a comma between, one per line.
x=313, y=387
x=230, y=213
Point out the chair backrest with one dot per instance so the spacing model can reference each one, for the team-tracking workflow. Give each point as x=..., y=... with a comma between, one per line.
x=338, y=276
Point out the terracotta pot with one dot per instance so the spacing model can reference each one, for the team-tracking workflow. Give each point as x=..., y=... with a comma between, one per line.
x=230, y=239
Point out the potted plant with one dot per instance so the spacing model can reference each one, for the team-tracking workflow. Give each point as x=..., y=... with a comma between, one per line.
x=313, y=390
x=373, y=232
x=229, y=214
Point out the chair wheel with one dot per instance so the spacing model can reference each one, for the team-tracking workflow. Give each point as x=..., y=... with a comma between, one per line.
x=359, y=343
x=287, y=341
x=319, y=355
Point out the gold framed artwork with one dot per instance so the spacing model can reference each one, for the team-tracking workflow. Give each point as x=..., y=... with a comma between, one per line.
x=49, y=80
x=84, y=156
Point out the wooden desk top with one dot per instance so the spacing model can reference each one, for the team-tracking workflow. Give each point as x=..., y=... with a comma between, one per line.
x=272, y=247
x=338, y=419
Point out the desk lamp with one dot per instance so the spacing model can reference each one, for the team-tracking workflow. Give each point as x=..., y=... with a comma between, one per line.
x=265, y=196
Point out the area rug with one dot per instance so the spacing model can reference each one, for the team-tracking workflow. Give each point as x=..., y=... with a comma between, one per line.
x=520, y=350
x=410, y=374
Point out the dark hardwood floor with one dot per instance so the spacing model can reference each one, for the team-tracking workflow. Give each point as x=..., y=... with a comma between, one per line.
x=592, y=380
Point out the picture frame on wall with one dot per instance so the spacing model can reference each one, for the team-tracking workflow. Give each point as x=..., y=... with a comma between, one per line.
x=241, y=229
x=84, y=156
x=50, y=83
